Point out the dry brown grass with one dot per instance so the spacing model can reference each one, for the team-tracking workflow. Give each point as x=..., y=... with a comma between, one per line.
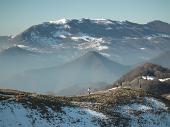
x=103, y=100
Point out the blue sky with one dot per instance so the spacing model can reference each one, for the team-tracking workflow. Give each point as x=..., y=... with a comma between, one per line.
x=17, y=15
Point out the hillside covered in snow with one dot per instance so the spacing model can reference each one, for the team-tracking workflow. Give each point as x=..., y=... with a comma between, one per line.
x=111, y=108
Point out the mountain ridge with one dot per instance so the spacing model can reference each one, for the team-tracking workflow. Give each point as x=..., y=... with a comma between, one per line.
x=77, y=26
x=116, y=39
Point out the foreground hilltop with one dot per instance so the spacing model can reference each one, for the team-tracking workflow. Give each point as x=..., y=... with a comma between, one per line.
x=113, y=107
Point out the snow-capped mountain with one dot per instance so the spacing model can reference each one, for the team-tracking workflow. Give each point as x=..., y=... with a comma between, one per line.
x=117, y=40
x=53, y=31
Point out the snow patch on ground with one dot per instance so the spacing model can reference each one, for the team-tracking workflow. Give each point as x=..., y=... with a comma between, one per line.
x=164, y=35
x=21, y=46
x=100, y=48
x=151, y=113
x=16, y=115
x=29, y=48
x=102, y=21
x=61, y=33
x=105, y=54
x=148, y=77
x=87, y=42
x=156, y=36
x=62, y=36
x=87, y=38
x=155, y=104
x=152, y=78
x=82, y=117
x=142, y=48
x=129, y=38
x=163, y=80
x=61, y=21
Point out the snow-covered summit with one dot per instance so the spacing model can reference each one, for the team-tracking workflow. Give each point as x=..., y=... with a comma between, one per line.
x=61, y=21
x=97, y=21
x=103, y=21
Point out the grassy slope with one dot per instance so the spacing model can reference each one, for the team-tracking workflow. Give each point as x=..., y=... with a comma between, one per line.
x=100, y=100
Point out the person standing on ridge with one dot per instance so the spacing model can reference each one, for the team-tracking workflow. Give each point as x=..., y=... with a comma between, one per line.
x=89, y=90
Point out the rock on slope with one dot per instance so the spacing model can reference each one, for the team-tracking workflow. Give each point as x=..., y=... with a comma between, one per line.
x=118, y=107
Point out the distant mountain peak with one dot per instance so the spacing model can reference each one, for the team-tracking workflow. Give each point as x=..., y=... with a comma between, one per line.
x=157, y=22
x=160, y=26
x=94, y=56
x=92, y=53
